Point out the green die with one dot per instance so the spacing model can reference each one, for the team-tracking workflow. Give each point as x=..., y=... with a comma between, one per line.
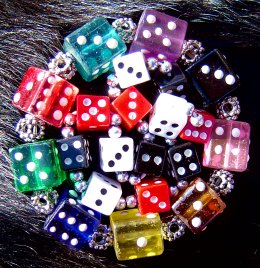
x=36, y=166
x=94, y=46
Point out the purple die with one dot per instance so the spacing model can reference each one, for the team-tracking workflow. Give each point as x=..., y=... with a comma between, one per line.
x=159, y=35
x=72, y=223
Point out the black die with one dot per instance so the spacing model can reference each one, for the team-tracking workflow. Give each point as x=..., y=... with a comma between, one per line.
x=212, y=77
x=150, y=158
x=184, y=161
x=74, y=153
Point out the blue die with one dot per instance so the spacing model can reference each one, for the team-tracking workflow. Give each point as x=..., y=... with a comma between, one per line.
x=94, y=46
x=72, y=223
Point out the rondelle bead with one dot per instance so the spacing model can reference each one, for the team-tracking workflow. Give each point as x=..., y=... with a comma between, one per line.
x=116, y=120
x=126, y=29
x=80, y=186
x=173, y=229
x=112, y=80
x=152, y=63
x=44, y=201
x=114, y=132
x=76, y=176
x=70, y=119
x=229, y=108
x=62, y=65
x=113, y=92
x=165, y=67
x=182, y=185
x=101, y=239
x=67, y=132
x=122, y=176
x=196, y=119
x=131, y=201
x=221, y=181
x=121, y=204
x=142, y=127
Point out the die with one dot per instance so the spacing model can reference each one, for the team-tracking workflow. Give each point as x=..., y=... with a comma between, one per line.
x=93, y=113
x=199, y=127
x=94, y=46
x=150, y=158
x=159, y=35
x=136, y=235
x=153, y=195
x=198, y=205
x=131, y=69
x=212, y=77
x=169, y=116
x=72, y=223
x=102, y=193
x=36, y=166
x=184, y=161
x=132, y=106
x=116, y=154
x=228, y=146
x=45, y=95
x=73, y=152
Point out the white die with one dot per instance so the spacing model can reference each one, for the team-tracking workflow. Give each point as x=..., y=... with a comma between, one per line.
x=116, y=154
x=131, y=69
x=169, y=116
x=102, y=193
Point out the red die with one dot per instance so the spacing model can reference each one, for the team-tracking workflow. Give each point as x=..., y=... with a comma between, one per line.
x=153, y=195
x=45, y=95
x=93, y=113
x=199, y=127
x=132, y=106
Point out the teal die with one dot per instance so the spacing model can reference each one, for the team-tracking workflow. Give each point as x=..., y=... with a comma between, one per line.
x=94, y=46
x=36, y=166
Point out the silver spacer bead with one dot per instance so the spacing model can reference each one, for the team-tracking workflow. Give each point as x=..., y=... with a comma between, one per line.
x=126, y=29
x=170, y=142
x=113, y=92
x=121, y=204
x=152, y=64
x=182, y=185
x=122, y=176
x=76, y=176
x=101, y=239
x=70, y=119
x=131, y=201
x=228, y=109
x=44, y=201
x=80, y=186
x=197, y=120
x=134, y=179
x=30, y=128
x=173, y=229
x=192, y=50
x=173, y=190
x=116, y=120
x=62, y=65
x=67, y=132
x=149, y=137
x=112, y=80
x=142, y=127
x=221, y=181
x=114, y=132
x=165, y=67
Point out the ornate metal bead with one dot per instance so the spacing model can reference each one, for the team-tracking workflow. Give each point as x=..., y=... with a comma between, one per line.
x=112, y=80
x=67, y=132
x=165, y=67
x=131, y=201
x=152, y=63
x=192, y=50
x=121, y=204
x=182, y=185
x=101, y=239
x=229, y=108
x=114, y=132
x=80, y=186
x=70, y=119
x=134, y=179
x=125, y=28
x=76, y=176
x=122, y=176
x=44, y=201
x=116, y=120
x=173, y=229
x=221, y=181
x=63, y=65
x=30, y=129
x=174, y=190
x=113, y=92
x=142, y=127
x=149, y=137
x=197, y=120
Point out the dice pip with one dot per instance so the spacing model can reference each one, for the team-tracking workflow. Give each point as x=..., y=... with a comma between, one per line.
x=198, y=205
x=159, y=35
x=228, y=146
x=36, y=166
x=136, y=235
x=102, y=193
x=94, y=46
x=45, y=95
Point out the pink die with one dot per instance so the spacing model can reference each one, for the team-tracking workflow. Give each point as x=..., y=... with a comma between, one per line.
x=153, y=195
x=159, y=35
x=228, y=147
x=199, y=127
x=45, y=95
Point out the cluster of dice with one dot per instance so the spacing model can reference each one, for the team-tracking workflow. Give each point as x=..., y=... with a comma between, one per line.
x=162, y=155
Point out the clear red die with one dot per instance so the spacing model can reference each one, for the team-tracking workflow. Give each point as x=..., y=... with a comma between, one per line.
x=45, y=95
x=93, y=113
x=132, y=106
x=153, y=195
x=199, y=127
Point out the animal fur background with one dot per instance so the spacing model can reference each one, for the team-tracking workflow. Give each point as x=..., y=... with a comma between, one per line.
x=30, y=33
